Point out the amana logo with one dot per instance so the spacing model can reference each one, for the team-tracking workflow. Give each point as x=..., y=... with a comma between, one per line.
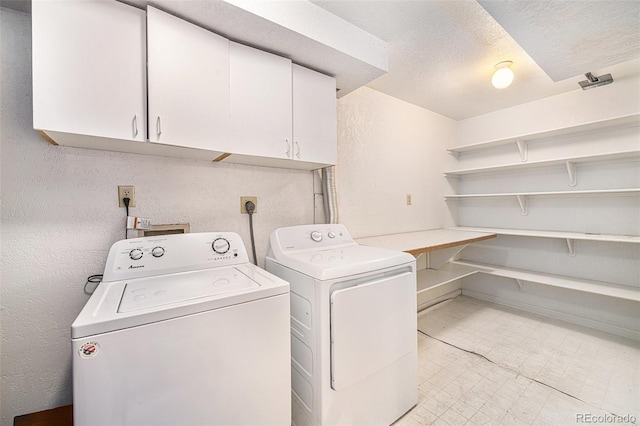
x=88, y=350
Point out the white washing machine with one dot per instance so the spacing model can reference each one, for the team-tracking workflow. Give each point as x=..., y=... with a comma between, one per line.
x=183, y=330
x=353, y=326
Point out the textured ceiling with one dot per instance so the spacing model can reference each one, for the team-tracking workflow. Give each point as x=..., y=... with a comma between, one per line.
x=441, y=53
x=570, y=38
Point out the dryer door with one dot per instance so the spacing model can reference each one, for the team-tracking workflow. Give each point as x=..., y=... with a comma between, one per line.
x=372, y=325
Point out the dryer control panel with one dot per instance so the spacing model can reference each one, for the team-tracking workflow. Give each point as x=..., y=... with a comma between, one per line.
x=309, y=237
x=166, y=254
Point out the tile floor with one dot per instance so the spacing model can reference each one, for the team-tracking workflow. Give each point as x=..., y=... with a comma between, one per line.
x=526, y=369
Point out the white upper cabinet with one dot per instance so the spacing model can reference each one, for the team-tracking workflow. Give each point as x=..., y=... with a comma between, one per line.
x=314, y=116
x=99, y=65
x=89, y=69
x=261, y=123
x=188, y=72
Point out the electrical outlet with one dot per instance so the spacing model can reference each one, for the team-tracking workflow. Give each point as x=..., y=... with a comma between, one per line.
x=243, y=201
x=127, y=191
x=408, y=199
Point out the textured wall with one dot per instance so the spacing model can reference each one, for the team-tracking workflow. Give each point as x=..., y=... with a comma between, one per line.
x=60, y=216
x=387, y=149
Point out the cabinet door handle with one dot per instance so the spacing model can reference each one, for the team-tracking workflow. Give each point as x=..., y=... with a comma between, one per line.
x=158, y=126
x=297, y=149
x=135, y=125
x=288, y=151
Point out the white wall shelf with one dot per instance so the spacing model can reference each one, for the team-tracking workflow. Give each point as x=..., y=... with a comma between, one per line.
x=568, y=162
x=589, y=286
x=569, y=237
x=431, y=278
x=435, y=285
x=521, y=141
x=634, y=239
x=496, y=177
x=523, y=196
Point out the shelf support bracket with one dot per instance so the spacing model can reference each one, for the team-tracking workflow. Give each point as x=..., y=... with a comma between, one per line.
x=571, y=169
x=522, y=200
x=572, y=247
x=421, y=261
x=522, y=284
x=436, y=259
x=522, y=147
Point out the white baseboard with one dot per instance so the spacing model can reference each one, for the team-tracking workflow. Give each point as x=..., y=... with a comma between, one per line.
x=574, y=319
x=431, y=302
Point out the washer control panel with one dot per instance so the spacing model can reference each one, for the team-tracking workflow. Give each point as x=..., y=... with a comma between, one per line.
x=148, y=256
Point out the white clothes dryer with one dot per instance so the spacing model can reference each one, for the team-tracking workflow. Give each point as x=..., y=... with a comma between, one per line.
x=183, y=330
x=353, y=326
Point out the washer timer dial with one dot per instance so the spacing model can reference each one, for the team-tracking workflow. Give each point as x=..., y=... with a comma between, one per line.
x=316, y=236
x=135, y=254
x=220, y=245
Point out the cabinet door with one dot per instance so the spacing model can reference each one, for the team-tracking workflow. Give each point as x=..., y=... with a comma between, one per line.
x=89, y=68
x=188, y=84
x=314, y=116
x=260, y=103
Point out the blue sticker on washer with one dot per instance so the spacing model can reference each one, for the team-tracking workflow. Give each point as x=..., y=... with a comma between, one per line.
x=88, y=350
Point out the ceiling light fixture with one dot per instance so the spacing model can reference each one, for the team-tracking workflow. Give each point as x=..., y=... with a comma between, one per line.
x=503, y=76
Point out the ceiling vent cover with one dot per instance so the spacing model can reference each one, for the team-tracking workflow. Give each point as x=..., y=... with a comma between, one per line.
x=593, y=81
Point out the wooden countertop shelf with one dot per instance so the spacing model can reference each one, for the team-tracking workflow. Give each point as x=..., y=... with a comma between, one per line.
x=439, y=245
x=419, y=242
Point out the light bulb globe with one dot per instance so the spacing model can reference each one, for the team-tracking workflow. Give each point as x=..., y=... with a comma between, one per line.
x=503, y=77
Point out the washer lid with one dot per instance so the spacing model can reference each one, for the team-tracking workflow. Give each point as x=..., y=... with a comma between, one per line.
x=129, y=303
x=153, y=292
x=342, y=262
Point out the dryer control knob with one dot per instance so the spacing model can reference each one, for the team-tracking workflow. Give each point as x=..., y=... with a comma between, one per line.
x=157, y=251
x=220, y=245
x=331, y=234
x=316, y=236
x=135, y=254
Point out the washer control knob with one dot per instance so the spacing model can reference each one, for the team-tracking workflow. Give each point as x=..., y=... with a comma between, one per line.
x=220, y=245
x=135, y=254
x=157, y=251
x=331, y=234
x=316, y=236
